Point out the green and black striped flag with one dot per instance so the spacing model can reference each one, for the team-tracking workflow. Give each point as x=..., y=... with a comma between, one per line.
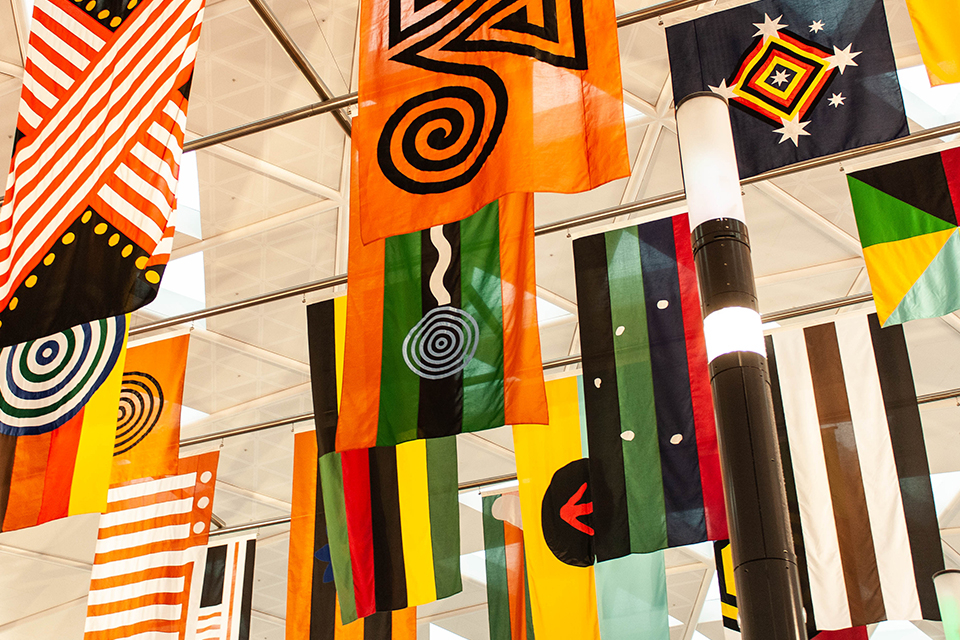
x=508, y=595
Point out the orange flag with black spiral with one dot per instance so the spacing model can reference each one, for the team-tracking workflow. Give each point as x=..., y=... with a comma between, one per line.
x=464, y=101
x=147, y=443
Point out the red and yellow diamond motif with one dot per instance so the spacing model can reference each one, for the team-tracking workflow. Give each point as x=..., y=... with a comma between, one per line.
x=782, y=77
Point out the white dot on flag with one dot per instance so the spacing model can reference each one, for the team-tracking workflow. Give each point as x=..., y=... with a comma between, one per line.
x=205, y=477
x=628, y=436
x=596, y=382
x=676, y=438
x=663, y=304
x=198, y=528
x=620, y=330
x=203, y=502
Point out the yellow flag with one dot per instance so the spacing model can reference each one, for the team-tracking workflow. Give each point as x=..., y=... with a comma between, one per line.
x=936, y=23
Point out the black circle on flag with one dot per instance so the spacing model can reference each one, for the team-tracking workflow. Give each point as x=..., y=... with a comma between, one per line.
x=567, y=515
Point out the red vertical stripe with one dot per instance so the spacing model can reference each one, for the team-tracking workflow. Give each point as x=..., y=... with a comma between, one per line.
x=356, y=495
x=951, y=168
x=700, y=392
x=516, y=595
x=26, y=484
x=855, y=633
x=60, y=464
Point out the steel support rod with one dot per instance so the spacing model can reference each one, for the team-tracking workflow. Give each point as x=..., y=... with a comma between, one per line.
x=299, y=59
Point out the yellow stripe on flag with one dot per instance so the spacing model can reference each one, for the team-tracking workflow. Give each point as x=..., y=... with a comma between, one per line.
x=415, y=522
x=91, y=475
x=339, y=339
x=936, y=23
x=563, y=598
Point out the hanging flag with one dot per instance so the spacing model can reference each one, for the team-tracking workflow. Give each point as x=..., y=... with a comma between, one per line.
x=654, y=467
x=856, y=473
x=393, y=524
x=312, y=609
x=442, y=334
x=460, y=105
x=563, y=594
x=936, y=23
x=508, y=598
x=907, y=218
x=86, y=220
x=227, y=594
x=632, y=595
x=149, y=564
x=58, y=417
x=804, y=78
x=147, y=443
x=723, y=554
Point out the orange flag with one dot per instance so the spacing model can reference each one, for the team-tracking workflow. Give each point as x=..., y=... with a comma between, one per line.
x=147, y=444
x=462, y=102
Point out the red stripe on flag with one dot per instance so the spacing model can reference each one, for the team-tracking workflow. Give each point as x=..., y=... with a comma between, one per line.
x=26, y=484
x=715, y=512
x=356, y=496
x=951, y=167
x=60, y=464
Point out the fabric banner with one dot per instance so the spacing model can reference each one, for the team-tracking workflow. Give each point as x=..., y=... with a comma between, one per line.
x=464, y=102
x=907, y=218
x=936, y=24
x=563, y=595
x=508, y=596
x=58, y=419
x=805, y=78
x=442, y=334
x=312, y=609
x=147, y=443
x=226, y=598
x=149, y=564
x=856, y=473
x=654, y=467
x=393, y=525
x=632, y=595
x=87, y=218
x=723, y=555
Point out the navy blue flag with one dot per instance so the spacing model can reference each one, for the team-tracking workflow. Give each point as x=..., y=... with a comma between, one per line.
x=805, y=78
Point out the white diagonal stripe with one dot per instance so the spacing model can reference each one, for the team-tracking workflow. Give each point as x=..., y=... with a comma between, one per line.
x=140, y=538
x=136, y=217
x=140, y=489
x=173, y=559
x=76, y=28
x=133, y=616
x=155, y=162
x=142, y=588
x=138, y=514
x=52, y=40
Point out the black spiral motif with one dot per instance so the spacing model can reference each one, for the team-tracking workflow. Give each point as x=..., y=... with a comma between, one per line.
x=141, y=401
x=440, y=119
x=442, y=343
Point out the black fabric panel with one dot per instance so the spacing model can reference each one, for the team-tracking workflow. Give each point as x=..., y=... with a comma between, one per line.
x=321, y=336
x=607, y=484
x=679, y=463
x=910, y=455
x=440, y=410
x=323, y=595
x=246, y=602
x=790, y=485
x=389, y=572
x=213, y=576
x=379, y=626
x=8, y=449
x=920, y=182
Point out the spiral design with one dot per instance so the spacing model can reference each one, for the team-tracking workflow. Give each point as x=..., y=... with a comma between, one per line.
x=439, y=140
x=46, y=382
x=141, y=401
x=442, y=343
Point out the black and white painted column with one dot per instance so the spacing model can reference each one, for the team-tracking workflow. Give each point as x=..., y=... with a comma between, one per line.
x=765, y=568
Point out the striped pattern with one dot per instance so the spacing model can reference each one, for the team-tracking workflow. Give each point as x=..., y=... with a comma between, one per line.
x=508, y=598
x=442, y=330
x=51, y=468
x=227, y=595
x=312, y=609
x=392, y=516
x=856, y=472
x=149, y=562
x=723, y=554
x=96, y=161
x=654, y=464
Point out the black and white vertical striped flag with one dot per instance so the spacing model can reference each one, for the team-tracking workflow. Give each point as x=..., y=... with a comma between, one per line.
x=856, y=472
x=227, y=596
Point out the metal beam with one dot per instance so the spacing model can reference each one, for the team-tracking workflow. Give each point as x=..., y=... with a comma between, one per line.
x=691, y=626
x=298, y=58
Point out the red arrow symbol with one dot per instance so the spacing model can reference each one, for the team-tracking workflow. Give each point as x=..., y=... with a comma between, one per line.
x=571, y=511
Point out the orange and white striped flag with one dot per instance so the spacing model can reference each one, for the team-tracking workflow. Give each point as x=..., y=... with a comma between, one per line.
x=150, y=556
x=227, y=598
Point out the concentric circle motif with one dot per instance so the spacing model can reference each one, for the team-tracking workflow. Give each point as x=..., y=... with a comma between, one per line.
x=442, y=343
x=46, y=382
x=141, y=401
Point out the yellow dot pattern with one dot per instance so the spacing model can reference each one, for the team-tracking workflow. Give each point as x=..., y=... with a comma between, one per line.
x=141, y=262
x=91, y=5
x=100, y=229
x=132, y=4
x=13, y=303
x=116, y=21
x=114, y=240
x=127, y=250
x=68, y=237
x=49, y=259
x=32, y=280
x=152, y=277
x=103, y=14
x=85, y=218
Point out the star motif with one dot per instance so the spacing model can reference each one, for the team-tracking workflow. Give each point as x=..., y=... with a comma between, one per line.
x=323, y=555
x=780, y=77
x=817, y=26
x=723, y=90
x=769, y=28
x=842, y=58
x=792, y=130
x=836, y=100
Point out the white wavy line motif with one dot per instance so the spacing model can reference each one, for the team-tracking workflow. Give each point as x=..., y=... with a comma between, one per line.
x=443, y=263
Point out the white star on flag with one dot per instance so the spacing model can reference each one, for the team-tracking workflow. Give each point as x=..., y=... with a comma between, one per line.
x=843, y=58
x=792, y=130
x=817, y=26
x=769, y=28
x=723, y=90
x=836, y=100
x=780, y=77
